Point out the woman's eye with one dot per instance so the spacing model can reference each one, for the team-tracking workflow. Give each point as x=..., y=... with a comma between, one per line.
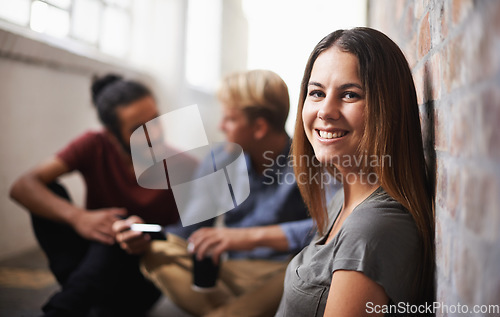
x=317, y=94
x=350, y=95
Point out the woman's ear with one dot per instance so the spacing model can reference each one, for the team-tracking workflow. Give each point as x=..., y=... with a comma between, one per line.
x=260, y=128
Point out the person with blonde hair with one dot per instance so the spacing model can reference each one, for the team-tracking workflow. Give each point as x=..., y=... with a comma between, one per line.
x=259, y=235
x=358, y=119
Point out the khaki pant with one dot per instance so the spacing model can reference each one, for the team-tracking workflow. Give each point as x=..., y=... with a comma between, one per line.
x=244, y=288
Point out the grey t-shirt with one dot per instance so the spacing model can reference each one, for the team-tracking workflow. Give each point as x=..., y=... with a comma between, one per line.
x=379, y=238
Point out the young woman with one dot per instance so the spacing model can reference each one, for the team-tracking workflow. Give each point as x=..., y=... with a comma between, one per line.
x=358, y=118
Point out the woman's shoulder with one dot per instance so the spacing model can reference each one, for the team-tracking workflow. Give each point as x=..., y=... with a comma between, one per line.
x=381, y=217
x=381, y=208
x=380, y=239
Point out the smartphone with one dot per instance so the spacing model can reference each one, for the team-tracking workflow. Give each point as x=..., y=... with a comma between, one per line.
x=155, y=231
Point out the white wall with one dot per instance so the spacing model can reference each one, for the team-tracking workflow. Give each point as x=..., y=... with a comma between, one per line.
x=42, y=109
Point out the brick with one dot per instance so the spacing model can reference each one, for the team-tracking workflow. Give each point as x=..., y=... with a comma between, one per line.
x=490, y=281
x=434, y=69
x=424, y=37
x=485, y=59
x=410, y=50
x=463, y=122
x=479, y=45
x=443, y=249
x=427, y=80
x=489, y=133
x=441, y=129
x=453, y=65
x=454, y=193
x=459, y=84
x=436, y=20
x=418, y=78
x=492, y=287
x=446, y=80
x=480, y=203
x=444, y=20
x=441, y=185
x=420, y=6
x=460, y=9
x=494, y=9
x=466, y=272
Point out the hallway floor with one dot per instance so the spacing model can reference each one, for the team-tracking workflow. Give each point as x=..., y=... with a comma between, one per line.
x=26, y=283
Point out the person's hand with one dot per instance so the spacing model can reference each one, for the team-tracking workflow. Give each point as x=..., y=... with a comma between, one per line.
x=97, y=224
x=214, y=241
x=134, y=242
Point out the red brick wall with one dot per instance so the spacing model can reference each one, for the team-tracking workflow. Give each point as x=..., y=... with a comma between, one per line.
x=453, y=48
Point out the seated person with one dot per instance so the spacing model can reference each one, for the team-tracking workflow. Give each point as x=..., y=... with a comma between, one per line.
x=95, y=274
x=258, y=235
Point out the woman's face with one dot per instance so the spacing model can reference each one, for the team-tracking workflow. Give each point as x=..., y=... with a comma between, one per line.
x=333, y=112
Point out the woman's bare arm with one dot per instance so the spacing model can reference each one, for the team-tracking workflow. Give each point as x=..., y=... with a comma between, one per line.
x=350, y=293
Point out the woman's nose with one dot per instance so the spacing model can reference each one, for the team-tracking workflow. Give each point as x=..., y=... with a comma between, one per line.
x=329, y=110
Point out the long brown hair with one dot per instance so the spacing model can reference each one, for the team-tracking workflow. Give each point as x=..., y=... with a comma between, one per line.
x=392, y=128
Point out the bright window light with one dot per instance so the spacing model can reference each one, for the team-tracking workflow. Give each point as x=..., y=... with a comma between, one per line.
x=203, y=43
x=86, y=20
x=120, y=3
x=63, y=4
x=39, y=13
x=49, y=19
x=115, y=32
x=15, y=11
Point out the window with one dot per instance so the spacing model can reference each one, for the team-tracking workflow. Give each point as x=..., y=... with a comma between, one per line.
x=104, y=24
x=50, y=19
x=15, y=11
x=203, y=46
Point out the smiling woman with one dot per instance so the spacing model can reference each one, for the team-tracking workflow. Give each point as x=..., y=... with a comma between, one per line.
x=333, y=111
x=375, y=242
